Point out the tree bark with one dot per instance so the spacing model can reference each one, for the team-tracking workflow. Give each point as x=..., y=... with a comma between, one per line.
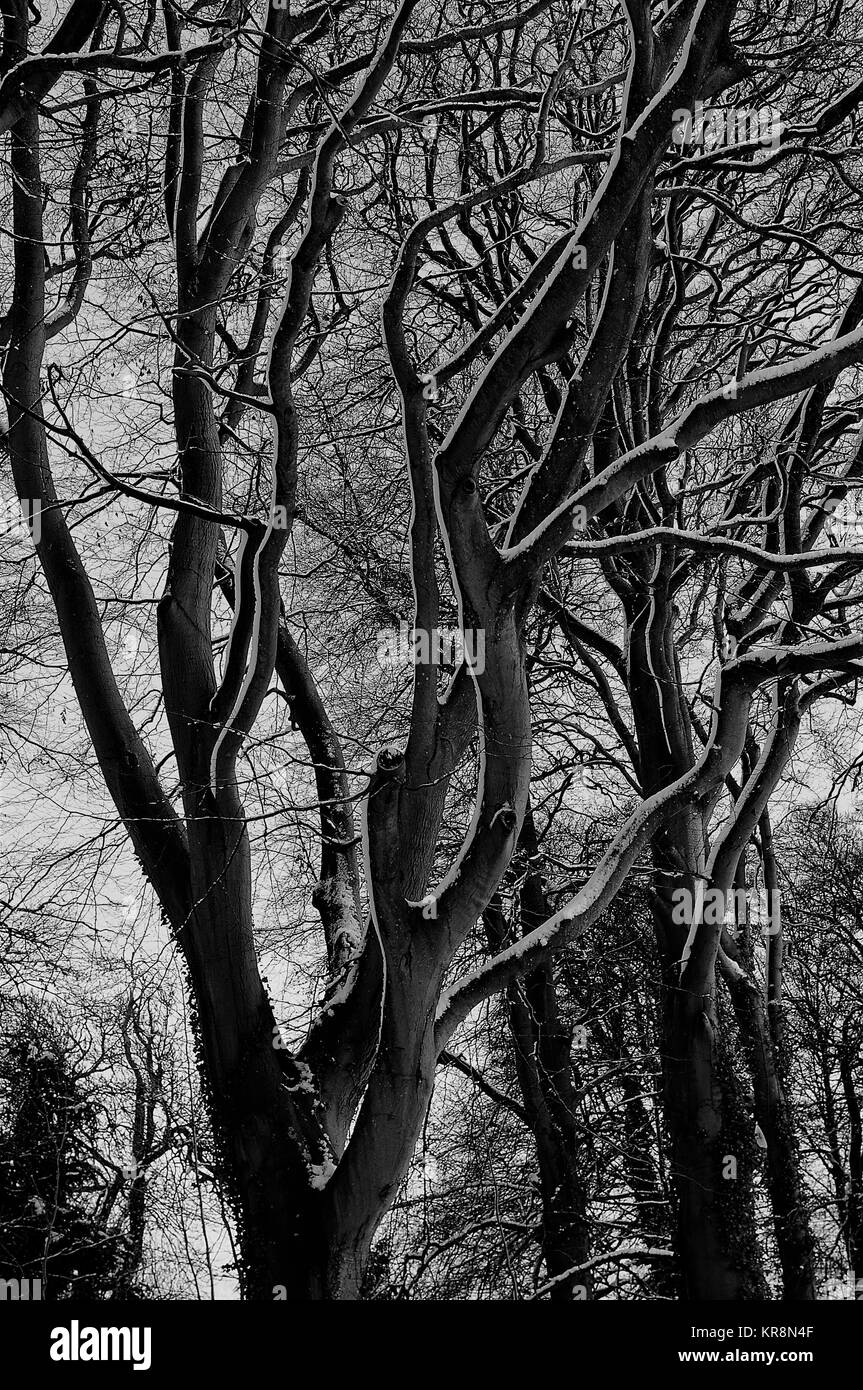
x=542, y=1044
x=702, y=1097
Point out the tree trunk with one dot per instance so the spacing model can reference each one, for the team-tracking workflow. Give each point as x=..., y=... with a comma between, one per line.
x=542, y=1044
x=711, y=1146
x=782, y=1158
x=644, y=1172
x=712, y=1151
x=848, y=1056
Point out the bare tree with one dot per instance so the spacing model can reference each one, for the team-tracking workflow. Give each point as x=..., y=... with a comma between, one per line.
x=592, y=283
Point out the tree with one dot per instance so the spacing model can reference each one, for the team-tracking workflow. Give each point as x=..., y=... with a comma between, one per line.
x=49, y=1228
x=823, y=865
x=592, y=274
